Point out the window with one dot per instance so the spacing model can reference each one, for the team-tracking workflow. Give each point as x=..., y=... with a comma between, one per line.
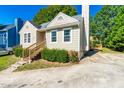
x=27, y=37
x=60, y=18
x=53, y=36
x=67, y=35
x=3, y=39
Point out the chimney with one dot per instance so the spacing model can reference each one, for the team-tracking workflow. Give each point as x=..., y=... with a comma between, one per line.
x=85, y=14
x=18, y=25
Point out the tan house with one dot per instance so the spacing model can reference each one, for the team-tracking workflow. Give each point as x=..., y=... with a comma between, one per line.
x=63, y=32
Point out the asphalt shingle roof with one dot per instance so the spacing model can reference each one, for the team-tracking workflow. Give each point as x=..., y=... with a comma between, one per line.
x=7, y=27
x=44, y=25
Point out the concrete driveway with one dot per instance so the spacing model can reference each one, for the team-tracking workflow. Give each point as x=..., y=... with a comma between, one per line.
x=98, y=70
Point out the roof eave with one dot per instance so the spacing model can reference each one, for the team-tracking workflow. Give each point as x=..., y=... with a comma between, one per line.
x=60, y=26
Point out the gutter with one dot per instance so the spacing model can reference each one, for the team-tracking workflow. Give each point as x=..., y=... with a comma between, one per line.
x=60, y=26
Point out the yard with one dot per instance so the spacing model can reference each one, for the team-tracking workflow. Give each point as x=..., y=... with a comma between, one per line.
x=6, y=61
x=40, y=64
x=107, y=50
x=98, y=70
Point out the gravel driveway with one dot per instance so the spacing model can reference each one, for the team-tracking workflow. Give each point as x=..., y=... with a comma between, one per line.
x=98, y=70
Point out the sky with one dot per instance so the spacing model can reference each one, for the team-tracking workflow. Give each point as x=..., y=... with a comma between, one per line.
x=94, y=9
x=9, y=12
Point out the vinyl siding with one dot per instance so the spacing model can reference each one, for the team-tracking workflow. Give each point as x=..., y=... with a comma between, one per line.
x=28, y=28
x=12, y=37
x=40, y=36
x=1, y=39
x=64, y=45
x=66, y=20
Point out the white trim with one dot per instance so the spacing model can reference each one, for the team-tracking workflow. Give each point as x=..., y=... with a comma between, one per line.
x=26, y=38
x=56, y=36
x=25, y=27
x=70, y=35
x=61, y=14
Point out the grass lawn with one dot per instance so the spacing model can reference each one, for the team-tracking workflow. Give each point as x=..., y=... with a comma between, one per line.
x=40, y=64
x=6, y=61
x=107, y=50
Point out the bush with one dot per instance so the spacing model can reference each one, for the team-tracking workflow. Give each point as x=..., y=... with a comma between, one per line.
x=55, y=55
x=18, y=51
x=73, y=56
x=62, y=56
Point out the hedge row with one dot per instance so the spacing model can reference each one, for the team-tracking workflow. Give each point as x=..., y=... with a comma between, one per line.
x=19, y=50
x=56, y=55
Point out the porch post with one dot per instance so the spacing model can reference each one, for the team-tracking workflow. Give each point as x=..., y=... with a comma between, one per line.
x=29, y=61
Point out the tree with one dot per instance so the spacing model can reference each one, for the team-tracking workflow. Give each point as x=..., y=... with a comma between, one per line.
x=109, y=27
x=104, y=21
x=116, y=39
x=47, y=14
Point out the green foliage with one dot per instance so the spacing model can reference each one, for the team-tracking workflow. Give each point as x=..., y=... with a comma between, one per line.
x=47, y=14
x=18, y=51
x=116, y=39
x=55, y=55
x=107, y=27
x=73, y=56
x=93, y=44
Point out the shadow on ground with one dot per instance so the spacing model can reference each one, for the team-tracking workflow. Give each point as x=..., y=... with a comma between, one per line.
x=90, y=53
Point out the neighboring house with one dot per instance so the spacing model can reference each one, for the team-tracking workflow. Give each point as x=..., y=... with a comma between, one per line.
x=63, y=32
x=9, y=34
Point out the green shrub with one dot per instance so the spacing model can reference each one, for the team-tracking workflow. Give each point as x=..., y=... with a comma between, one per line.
x=62, y=56
x=55, y=55
x=18, y=51
x=73, y=56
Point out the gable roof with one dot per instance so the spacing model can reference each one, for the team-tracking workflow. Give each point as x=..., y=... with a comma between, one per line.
x=77, y=17
x=7, y=27
x=34, y=24
x=44, y=25
x=64, y=19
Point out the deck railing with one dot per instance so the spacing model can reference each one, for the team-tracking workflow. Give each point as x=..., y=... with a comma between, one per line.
x=33, y=50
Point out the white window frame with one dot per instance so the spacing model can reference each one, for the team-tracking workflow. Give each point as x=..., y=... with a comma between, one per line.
x=70, y=35
x=51, y=36
x=27, y=37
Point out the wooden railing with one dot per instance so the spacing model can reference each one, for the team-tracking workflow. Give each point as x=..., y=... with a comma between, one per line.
x=33, y=50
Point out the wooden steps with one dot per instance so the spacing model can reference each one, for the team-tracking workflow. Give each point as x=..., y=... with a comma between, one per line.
x=32, y=51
